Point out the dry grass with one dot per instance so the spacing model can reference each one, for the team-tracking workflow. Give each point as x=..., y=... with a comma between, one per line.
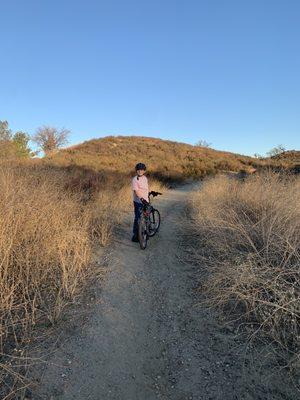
x=44, y=250
x=167, y=160
x=248, y=236
x=51, y=219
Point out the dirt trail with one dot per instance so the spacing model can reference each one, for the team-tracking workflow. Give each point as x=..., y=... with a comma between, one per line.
x=147, y=338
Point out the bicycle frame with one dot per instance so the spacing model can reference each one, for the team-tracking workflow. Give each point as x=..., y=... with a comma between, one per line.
x=145, y=222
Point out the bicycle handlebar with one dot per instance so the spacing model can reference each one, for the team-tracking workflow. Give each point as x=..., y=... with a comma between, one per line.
x=154, y=194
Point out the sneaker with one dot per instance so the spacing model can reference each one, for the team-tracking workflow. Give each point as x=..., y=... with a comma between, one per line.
x=134, y=239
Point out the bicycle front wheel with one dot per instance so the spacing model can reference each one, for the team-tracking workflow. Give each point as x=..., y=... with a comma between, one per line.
x=142, y=233
x=154, y=222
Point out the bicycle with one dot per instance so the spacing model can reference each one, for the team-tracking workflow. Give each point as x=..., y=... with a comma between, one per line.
x=149, y=221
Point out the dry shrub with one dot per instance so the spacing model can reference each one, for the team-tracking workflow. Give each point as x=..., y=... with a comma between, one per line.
x=51, y=217
x=47, y=232
x=44, y=249
x=248, y=234
x=166, y=160
x=105, y=212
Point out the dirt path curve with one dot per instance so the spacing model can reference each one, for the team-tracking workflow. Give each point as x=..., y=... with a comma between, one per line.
x=146, y=339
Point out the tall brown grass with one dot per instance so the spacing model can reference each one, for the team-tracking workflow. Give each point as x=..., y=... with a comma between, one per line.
x=247, y=235
x=44, y=250
x=51, y=221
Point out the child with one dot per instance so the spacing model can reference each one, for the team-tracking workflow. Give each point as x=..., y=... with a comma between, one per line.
x=140, y=191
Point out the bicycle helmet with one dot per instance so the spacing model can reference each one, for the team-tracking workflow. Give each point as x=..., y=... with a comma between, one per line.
x=140, y=166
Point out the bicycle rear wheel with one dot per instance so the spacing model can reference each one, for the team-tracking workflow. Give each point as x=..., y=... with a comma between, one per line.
x=142, y=233
x=154, y=222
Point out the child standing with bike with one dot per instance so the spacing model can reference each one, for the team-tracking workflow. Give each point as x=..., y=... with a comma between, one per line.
x=140, y=190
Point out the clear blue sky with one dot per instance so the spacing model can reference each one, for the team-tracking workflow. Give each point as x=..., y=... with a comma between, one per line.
x=224, y=71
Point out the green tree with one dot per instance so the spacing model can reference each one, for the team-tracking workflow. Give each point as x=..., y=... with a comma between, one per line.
x=13, y=145
x=21, y=140
x=7, y=149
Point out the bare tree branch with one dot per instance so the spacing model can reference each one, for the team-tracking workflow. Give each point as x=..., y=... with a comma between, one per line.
x=203, y=143
x=50, y=139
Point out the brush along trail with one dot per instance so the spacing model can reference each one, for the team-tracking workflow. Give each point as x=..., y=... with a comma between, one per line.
x=148, y=337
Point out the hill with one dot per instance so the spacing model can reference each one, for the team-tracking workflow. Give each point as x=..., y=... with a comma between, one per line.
x=165, y=159
x=289, y=156
x=288, y=160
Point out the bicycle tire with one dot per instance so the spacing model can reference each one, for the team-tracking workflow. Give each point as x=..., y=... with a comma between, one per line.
x=142, y=233
x=154, y=220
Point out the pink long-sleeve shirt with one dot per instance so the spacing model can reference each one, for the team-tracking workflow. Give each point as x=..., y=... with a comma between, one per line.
x=140, y=188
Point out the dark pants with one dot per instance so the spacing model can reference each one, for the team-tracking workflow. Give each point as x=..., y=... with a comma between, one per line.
x=137, y=213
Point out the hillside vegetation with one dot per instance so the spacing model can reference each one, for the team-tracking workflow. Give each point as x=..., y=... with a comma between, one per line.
x=165, y=159
x=287, y=157
x=288, y=160
x=246, y=238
